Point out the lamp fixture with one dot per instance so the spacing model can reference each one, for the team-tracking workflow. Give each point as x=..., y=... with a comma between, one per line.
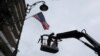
x=43, y=7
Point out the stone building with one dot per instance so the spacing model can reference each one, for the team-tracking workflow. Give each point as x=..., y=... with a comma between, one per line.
x=12, y=16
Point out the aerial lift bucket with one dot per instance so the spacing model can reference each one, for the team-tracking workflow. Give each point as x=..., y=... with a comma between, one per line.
x=49, y=49
x=52, y=49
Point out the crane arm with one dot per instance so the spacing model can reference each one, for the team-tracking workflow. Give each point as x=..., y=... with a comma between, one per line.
x=76, y=34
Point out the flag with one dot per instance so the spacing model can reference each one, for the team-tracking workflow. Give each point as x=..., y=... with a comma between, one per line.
x=40, y=17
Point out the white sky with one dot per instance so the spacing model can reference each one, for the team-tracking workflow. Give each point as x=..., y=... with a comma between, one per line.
x=62, y=16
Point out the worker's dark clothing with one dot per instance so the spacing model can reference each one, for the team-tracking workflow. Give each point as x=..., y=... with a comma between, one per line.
x=55, y=43
x=50, y=37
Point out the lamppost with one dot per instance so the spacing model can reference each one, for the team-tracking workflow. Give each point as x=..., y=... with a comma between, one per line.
x=43, y=7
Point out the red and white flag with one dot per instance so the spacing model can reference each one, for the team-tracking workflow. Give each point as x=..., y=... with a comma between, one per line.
x=40, y=17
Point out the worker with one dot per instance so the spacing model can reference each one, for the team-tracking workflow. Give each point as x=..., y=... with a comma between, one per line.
x=49, y=40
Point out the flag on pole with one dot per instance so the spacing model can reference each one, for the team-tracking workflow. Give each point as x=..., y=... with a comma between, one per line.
x=40, y=17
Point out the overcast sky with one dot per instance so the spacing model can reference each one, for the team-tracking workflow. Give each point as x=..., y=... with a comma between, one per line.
x=62, y=16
